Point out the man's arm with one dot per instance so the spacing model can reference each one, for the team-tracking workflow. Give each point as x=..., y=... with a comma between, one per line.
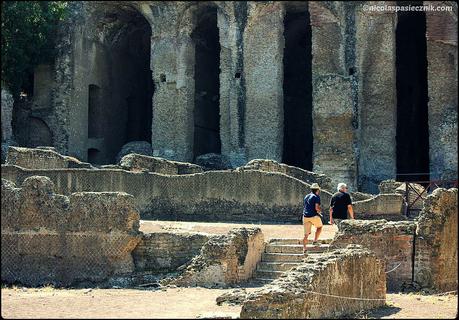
x=331, y=215
x=318, y=209
x=349, y=207
x=351, y=211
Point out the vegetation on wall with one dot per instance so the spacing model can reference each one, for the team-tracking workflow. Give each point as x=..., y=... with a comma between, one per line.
x=29, y=30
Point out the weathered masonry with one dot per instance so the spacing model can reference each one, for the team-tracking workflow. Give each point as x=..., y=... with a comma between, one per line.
x=330, y=87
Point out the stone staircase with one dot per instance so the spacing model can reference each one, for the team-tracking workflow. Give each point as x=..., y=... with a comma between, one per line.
x=283, y=254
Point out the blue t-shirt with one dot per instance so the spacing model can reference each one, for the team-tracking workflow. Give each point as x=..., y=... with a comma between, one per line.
x=310, y=205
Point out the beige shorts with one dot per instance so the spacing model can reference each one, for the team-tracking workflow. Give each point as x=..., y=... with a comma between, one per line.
x=308, y=222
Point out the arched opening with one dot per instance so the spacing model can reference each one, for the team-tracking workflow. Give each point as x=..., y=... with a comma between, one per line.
x=412, y=112
x=207, y=83
x=297, y=87
x=39, y=133
x=120, y=105
x=94, y=156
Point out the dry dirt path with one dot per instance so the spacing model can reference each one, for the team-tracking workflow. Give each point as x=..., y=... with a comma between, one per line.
x=269, y=230
x=180, y=303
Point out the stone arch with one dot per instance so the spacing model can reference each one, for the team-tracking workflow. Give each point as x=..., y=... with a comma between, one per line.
x=39, y=133
x=119, y=80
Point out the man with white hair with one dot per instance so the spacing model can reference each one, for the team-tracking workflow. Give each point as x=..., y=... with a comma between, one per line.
x=341, y=205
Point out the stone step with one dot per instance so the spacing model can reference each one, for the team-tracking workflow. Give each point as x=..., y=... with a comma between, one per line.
x=282, y=257
x=288, y=248
x=262, y=280
x=277, y=266
x=292, y=248
x=281, y=241
x=268, y=274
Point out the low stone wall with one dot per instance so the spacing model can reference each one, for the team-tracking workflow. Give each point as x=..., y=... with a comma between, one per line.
x=391, y=186
x=37, y=158
x=310, y=290
x=138, y=162
x=436, y=242
x=224, y=260
x=422, y=252
x=298, y=173
x=249, y=195
x=388, y=186
x=390, y=241
x=382, y=206
x=52, y=238
x=163, y=252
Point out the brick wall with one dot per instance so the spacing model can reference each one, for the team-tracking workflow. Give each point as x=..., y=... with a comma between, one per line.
x=165, y=251
x=390, y=241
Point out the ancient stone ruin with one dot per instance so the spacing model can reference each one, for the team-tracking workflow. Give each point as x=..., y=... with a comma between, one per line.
x=56, y=229
x=199, y=111
x=221, y=83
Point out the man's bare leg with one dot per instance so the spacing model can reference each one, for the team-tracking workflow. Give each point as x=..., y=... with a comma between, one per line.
x=317, y=234
x=305, y=241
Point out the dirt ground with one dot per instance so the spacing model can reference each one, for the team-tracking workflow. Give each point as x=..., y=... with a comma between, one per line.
x=181, y=303
x=269, y=230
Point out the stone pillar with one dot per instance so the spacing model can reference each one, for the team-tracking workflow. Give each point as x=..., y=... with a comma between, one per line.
x=7, y=115
x=172, y=63
x=442, y=86
x=332, y=114
x=375, y=57
x=263, y=71
x=232, y=99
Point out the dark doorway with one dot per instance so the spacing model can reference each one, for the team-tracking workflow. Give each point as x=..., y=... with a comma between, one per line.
x=120, y=107
x=412, y=113
x=297, y=88
x=207, y=83
x=95, y=112
x=94, y=156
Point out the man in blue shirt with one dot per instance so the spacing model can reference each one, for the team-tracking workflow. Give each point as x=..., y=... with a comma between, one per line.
x=311, y=212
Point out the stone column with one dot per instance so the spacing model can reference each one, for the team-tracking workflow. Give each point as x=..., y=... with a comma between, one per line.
x=172, y=63
x=231, y=87
x=263, y=71
x=442, y=86
x=375, y=57
x=7, y=115
x=332, y=114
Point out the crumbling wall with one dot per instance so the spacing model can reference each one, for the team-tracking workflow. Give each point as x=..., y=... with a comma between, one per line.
x=307, y=176
x=137, y=162
x=223, y=260
x=390, y=241
x=166, y=251
x=436, y=241
x=381, y=206
x=210, y=196
x=41, y=158
x=416, y=192
x=64, y=240
x=318, y=288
